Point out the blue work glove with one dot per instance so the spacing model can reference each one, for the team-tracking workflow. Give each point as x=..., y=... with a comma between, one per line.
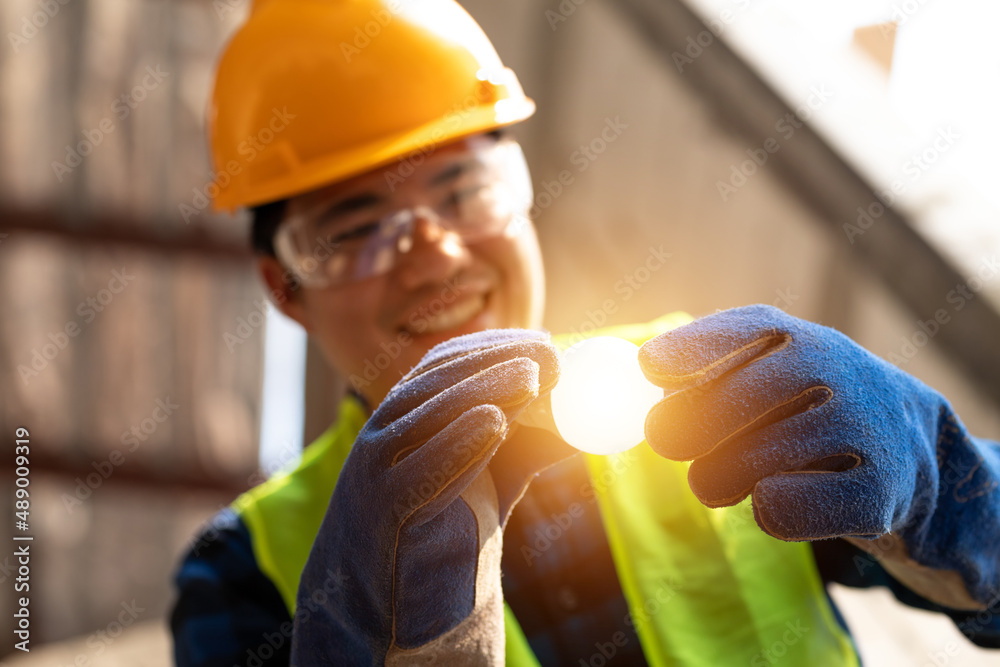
x=830, y=441
x=406, y=566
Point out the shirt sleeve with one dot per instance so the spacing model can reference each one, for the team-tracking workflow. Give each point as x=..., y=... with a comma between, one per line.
x=845, y=564
x=228, y=612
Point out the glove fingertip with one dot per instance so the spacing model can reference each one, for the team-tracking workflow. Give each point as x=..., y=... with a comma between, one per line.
x=670, y=436
x=787, y=506
x=808, y=505
x=547, y=357
x=486, y=419
x=712, y=346
x=715, y=488
x=522, y=382
x=478, y=342
x=763, y=514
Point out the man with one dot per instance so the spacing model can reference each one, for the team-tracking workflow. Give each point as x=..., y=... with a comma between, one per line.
x=390, y=222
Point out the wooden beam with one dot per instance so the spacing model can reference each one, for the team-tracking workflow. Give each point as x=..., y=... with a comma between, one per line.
x=47, y=459
x=104, y=230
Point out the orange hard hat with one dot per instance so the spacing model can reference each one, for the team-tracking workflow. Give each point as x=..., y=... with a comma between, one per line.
x=309, y=92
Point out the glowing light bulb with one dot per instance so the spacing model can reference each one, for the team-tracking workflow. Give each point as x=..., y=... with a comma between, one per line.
x=602, y=398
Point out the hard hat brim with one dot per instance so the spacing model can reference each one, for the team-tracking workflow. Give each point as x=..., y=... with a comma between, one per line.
x=421, y=141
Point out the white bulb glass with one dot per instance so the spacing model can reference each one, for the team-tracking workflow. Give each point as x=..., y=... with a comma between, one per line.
x=602, y=398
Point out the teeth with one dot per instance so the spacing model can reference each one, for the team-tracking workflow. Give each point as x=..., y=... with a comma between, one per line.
x=455, y=316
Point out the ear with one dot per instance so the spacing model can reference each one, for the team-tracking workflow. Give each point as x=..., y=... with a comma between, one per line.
x=283, y=290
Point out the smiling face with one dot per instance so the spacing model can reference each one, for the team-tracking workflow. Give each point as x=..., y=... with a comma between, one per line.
x=443, y=283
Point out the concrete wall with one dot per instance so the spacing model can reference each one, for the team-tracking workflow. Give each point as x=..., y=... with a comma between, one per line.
x=655, y=186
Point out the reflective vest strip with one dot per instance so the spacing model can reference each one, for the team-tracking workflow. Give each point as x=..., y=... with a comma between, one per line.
x=704, y=586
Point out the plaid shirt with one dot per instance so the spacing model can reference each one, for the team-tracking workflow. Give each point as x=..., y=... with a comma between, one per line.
x=558, y=577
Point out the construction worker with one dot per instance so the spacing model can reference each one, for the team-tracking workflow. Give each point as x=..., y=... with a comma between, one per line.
x=390, y=221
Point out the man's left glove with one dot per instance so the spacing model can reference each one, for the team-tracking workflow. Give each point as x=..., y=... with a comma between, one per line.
x=406, y=566
x=831, y=441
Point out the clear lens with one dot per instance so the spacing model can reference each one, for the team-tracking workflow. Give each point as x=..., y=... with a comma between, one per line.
x=320, y=258
x=479, y=202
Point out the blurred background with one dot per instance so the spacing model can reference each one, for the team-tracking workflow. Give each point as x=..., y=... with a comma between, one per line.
x=837, y=160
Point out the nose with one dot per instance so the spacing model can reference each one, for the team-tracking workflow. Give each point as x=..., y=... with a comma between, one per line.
x=434, y=254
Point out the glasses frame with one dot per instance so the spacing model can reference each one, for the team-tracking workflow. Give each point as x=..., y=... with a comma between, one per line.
x=312, y=258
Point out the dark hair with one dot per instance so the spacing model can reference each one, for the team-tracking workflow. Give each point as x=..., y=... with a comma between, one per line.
x=264, y=223
x=266, y=217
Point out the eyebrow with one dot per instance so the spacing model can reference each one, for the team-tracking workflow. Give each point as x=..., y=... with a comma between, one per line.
x=351, y=204
x=370, y=199
x=453, y=171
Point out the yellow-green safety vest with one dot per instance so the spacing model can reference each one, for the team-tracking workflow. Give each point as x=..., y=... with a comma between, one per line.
x=704, y=587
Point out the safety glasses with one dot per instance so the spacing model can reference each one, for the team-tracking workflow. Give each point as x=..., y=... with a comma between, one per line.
x=478, y=195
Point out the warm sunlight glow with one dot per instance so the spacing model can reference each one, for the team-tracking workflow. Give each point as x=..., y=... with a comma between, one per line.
x=602, y=398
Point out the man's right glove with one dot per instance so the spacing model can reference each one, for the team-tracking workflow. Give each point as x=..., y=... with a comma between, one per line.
x=406, y=566
x=830, y=441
